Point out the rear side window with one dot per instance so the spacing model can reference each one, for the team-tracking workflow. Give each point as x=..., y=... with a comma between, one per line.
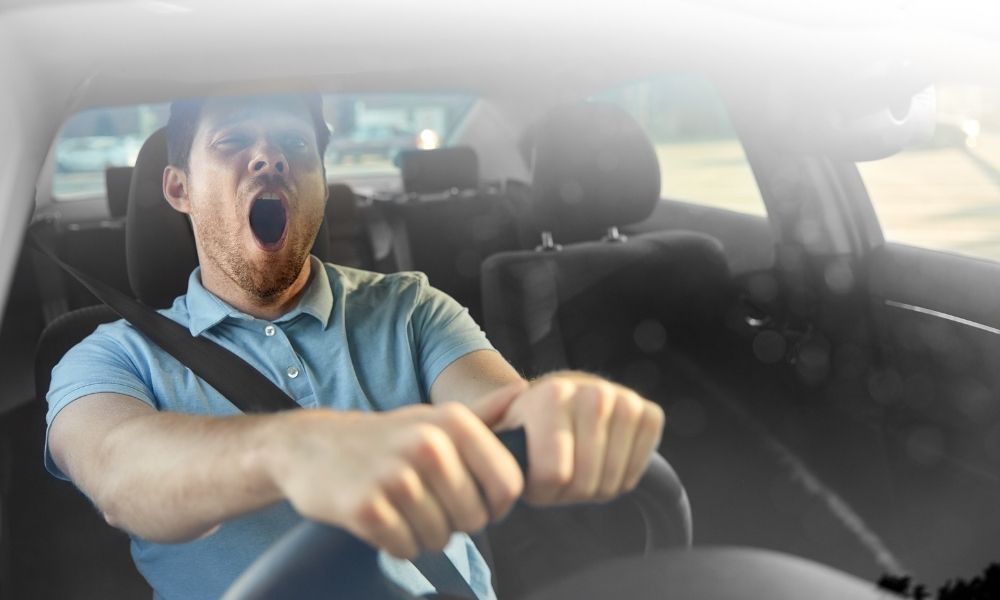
x=96, y=139
x=945, y=193
x=701, y=158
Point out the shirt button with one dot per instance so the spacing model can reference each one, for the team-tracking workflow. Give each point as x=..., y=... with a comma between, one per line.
x=269, y=330
x=293, y=372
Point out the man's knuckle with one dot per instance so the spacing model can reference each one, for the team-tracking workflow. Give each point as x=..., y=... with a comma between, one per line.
x=654, y=413
x=367, y=514
x=474, y=520
x=455, y=414
x=554, y=392
x=403, y=486
x=628, y=408
x=553, y=477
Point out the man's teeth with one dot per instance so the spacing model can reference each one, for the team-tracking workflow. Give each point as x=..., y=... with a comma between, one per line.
x=268, y=197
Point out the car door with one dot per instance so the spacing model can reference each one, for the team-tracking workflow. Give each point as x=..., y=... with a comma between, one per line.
x=934, y=296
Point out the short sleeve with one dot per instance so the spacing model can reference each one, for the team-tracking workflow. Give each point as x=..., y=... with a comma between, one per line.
x=98, y=364
x=443, y=330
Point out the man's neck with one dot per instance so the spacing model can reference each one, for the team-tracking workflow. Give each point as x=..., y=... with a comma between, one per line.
x=222, y=286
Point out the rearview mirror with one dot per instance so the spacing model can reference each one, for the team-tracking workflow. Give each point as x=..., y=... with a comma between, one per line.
x=882, y=133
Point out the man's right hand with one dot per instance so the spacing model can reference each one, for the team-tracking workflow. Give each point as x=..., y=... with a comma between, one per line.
x=403, y=480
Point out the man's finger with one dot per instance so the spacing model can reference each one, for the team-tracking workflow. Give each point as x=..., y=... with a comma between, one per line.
x=551, y=444
x=591, y=415
x=492, y=407
x=490, y=464
x=453, y=485
x=622, y=432
x=646, y=441
x=379, y=523
x=420, y=508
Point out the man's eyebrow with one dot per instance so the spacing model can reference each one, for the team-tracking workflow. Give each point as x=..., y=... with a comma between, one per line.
x=232, y=118
x=247, y=114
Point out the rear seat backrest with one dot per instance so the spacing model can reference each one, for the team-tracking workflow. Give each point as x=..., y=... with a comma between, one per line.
x=449, y=223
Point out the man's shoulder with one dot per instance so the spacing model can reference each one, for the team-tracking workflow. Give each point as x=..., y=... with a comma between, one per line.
x=359, y=283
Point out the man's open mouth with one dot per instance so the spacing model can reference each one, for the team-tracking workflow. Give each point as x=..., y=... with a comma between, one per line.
x=269, y=220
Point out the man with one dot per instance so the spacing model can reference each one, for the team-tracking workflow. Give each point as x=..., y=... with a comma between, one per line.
x=203, y=490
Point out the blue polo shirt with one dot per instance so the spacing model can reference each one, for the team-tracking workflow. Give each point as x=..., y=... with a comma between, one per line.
x=356, y=341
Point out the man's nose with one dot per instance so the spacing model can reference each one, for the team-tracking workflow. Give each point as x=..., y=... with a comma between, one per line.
x=268, y=159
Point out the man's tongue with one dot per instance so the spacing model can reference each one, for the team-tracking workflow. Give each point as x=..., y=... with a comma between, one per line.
x=268, y=221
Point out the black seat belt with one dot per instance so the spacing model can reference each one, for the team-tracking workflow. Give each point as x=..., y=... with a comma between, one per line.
x=239, y=382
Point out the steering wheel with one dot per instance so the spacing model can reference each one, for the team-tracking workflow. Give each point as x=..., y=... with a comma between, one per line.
x=315, y=560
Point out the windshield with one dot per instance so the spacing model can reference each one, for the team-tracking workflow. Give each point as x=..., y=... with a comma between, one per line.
x=367, y=132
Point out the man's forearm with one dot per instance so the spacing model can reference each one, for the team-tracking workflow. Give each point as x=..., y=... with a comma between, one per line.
x=172, y=477
x=402, y=480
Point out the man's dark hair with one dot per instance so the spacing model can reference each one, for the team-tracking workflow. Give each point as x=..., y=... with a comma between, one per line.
x=183, y=123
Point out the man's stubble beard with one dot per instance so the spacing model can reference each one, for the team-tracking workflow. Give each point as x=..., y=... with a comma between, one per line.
x=262, y=282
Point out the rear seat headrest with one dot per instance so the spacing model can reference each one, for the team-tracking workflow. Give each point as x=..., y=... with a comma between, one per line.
x=439, y=170
x=594, y=168
x=117, y=181
x=159, y=243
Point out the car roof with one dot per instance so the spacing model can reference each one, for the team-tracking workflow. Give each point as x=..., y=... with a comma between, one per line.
x=61, y=57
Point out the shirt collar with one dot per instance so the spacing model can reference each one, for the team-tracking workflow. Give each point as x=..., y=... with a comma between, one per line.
x=206, y=310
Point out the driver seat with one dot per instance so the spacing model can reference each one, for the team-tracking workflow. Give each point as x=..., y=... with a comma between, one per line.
x=55, y=524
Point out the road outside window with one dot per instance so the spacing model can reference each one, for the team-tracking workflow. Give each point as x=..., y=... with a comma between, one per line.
x=945, y=194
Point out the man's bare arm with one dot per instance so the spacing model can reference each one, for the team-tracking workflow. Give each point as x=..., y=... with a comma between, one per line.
x=402, y=480
x=473, y=376
x=163, y=476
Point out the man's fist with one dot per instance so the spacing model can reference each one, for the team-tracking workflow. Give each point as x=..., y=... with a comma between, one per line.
x=403, y=480
x=588, y=439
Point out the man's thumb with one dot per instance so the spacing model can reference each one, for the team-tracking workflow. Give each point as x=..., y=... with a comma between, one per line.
x=492, y=407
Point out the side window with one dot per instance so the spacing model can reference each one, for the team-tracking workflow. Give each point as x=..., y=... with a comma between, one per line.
x=701, y=158
x=96, y=139
x=945, y=194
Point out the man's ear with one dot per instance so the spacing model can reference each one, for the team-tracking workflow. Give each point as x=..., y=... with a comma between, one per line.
x=175, y=189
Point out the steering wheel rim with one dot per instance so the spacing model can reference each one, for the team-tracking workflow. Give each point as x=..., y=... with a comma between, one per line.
x=311, y=560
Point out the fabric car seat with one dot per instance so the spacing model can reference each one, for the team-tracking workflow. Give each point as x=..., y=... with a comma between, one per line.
x=56, y=524
x=611, y=304
x=614, y=306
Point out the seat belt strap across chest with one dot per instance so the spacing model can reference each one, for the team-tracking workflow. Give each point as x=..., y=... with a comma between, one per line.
x=238, y=381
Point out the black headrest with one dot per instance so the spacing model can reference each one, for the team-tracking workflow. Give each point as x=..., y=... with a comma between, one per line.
x=428, y=171
x=341, y=209
x=117, y=181
x=594, y=168
x=158, y=239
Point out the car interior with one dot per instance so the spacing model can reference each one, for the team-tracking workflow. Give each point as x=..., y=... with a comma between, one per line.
x=830, y=392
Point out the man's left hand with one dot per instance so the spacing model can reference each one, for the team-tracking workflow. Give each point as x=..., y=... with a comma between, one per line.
x=588, y=439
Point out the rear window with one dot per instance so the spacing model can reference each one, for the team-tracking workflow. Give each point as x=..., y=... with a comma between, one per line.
x=367, y=132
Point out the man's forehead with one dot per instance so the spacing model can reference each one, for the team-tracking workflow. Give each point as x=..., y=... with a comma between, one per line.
x=221, y=112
